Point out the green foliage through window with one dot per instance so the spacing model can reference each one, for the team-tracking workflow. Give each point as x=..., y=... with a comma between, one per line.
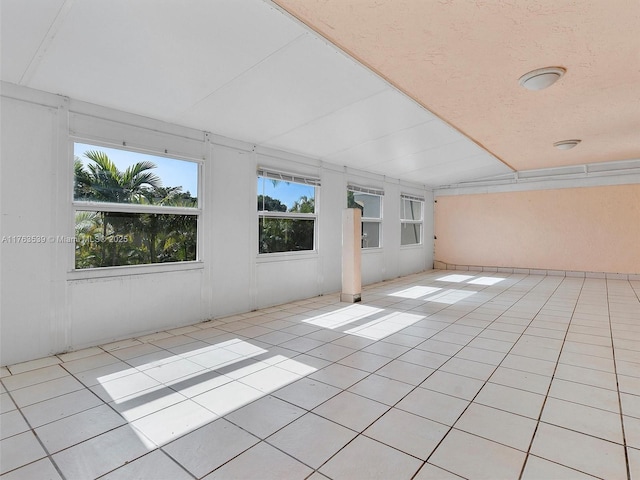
x=286, y=216
x=108, y=237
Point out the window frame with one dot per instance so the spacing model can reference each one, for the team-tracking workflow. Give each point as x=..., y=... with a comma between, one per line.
x=89, y=206
x=406, y=221
x=377, y=220
x=270, y=174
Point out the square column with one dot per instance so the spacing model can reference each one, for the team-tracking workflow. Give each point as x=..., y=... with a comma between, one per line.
x=351, y=255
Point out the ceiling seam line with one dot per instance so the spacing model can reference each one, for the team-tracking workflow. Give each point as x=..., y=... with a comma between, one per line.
x=322, y=116
x=244, y=72
x=46, y=42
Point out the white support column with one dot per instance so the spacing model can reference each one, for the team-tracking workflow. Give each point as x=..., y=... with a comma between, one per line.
x=351, y=250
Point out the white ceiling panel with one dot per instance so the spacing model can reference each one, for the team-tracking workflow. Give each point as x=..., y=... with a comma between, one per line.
x=159, y=58
x=397, y=145
x=296, y=85
x=460, y=171
x=23, y=32
x=435, y=158
x=354, y=124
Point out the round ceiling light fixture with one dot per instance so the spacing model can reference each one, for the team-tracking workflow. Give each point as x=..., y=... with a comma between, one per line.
x=566, y=144
x=541, y=78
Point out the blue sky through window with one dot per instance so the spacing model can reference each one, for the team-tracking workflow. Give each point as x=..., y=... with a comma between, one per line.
x=174, y=173
x=287, y=192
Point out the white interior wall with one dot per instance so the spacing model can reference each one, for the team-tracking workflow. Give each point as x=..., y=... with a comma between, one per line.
x=48, y=308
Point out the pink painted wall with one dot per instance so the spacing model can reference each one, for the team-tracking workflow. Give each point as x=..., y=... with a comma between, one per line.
x=593, y=229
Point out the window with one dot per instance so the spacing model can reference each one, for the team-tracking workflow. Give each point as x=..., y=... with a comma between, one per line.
x=132, y=208
x=369, y=201
x=411, y=215
x=286, y=212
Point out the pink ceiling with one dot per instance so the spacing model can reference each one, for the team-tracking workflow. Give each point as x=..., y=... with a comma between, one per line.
x=461, y=59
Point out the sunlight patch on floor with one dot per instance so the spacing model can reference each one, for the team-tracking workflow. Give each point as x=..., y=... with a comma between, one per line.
x=343, y=316
x=415, y=292
x=385, y=326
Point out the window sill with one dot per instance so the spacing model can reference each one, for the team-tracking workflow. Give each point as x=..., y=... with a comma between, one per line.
x=414, y=246
x=371, y=250
x=286, y=256
x=130, y=270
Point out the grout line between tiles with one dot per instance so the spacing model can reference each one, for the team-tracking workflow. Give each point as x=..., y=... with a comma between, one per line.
x=615, y=371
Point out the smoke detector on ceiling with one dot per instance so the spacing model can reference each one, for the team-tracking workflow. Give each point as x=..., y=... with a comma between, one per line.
x=566, y=144
x=541, y=78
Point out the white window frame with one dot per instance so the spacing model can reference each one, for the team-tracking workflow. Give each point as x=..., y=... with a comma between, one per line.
x=79, y=206
x=264, y=214
x=377, y=193
x=407, y=221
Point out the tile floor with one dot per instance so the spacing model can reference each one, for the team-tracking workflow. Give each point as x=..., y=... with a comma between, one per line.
x=439, y=375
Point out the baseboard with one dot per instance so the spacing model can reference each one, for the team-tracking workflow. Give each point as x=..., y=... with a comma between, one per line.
x=438, y=265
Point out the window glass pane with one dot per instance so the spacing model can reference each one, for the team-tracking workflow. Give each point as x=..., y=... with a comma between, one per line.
x=370, y=204
x=119, y=176
x=410, y=233
x=411, y=210
x=370, y=234
x=285, y=234
x=106, y=239
x=281, y=196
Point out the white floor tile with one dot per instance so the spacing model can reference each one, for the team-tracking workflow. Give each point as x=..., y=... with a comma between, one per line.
x=589, y=420
x=33, y=365
x=155, y=465
x=483, y=459
x=19, y=450
x=424, y=358
x=581, y=452
x=368, y=362
x=468, y=368
x=312, y=439
x=101, y=454
x=351, y=410
x=634, y=463
x=228, y=397
x=510, y=399
x=270, y=379
x=433, y=405
x=79, y=427
x=497, y=425
x=265, y=416
x=12, y=423
x=174, y=371
x=366, y=458
x=339, y=376
x=630, y=404
x=91, y=362
x=307, y=393
x=407, y=432
x=33, y=377
x=124, y=386
x=263, y=462
x=405, y=372
x=522, y=380
x=381, y=389
x=585, y=394
x=6, y=404
x=431, y=472
x=209, y=447
x=632, y=431
x=146, y=402
x=45, y=390
x=539, y=469
x=41, y=470
x=452, y=384
x=172, y=422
